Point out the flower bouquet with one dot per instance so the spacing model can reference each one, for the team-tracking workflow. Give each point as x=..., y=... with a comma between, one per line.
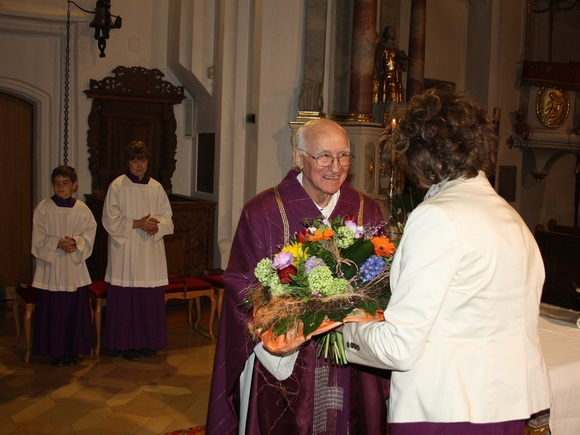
x=332, y=272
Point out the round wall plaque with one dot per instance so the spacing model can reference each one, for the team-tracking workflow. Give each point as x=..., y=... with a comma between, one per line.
x=552, y=107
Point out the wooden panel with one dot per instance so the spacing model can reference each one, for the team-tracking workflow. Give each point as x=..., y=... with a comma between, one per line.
x=133, y=104
x=175, y=246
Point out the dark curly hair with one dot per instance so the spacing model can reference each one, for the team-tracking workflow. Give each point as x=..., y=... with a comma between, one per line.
x=444, y=135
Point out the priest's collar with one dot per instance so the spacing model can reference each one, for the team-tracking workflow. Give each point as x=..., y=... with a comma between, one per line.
x=327, y=210
x=63, y=202
x=135, y=179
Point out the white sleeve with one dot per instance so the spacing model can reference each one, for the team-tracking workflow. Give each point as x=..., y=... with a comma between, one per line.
x=281, y=367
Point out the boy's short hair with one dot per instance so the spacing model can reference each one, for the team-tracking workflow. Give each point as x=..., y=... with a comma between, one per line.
x=64, y=171
x=136, y=149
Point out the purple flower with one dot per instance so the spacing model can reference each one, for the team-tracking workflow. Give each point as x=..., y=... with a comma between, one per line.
x=282, y=260
x=357, y=230
x=312, y=263
x=371, y=268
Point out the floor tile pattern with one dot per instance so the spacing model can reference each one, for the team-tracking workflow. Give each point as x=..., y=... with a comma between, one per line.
x=106, y=395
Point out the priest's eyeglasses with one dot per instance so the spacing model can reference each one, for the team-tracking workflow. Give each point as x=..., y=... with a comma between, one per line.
x=324, y=160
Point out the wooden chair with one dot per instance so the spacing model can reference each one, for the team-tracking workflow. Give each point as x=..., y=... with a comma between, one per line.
x=98, y=298
x=215, y=280
x=25, y=297
x=190, y=288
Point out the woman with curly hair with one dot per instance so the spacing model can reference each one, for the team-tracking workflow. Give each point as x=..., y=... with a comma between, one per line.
x=461, y=329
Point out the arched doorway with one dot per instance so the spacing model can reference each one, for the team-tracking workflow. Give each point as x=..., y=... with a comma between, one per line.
x=16, y=179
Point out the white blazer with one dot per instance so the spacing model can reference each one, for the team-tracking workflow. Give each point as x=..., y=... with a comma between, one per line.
x=461, y=329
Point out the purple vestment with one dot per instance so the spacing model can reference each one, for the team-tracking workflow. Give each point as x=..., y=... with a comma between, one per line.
x=287, y=406
x=135, y=318
x=62, y=323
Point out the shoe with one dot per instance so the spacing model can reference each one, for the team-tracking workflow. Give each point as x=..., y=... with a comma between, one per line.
x=56, y=362
x=70, y=361
x=131, y=354
x=149, y=353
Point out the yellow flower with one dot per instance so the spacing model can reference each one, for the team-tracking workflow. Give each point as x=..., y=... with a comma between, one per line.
x=298, y=252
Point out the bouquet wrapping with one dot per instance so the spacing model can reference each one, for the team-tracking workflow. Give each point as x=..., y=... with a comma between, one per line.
x=332, y=272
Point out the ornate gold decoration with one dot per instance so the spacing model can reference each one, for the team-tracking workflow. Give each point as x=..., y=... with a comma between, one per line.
x=384, y=167
x=371, y=166
x=552, y=107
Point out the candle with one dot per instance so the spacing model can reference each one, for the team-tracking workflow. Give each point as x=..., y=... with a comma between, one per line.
x=393, y=126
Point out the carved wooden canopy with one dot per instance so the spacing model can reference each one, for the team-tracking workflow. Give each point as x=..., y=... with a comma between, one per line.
x=553, y=74
x=133, y=104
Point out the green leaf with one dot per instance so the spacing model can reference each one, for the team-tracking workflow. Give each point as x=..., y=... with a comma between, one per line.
x=311, y=322
x=338, y=315
x=358, y=252
x=282, y=326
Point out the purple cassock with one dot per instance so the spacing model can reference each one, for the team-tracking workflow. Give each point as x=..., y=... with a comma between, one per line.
x=62, y=323
x=136, y=318
x=317, y=398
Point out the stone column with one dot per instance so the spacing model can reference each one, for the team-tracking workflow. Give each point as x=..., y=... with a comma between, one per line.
x=364, y=33
x=310, y=102
x=416, y=74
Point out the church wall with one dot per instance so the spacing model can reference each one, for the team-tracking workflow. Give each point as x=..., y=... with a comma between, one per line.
x=280, y=71
x=35, y=78
x=39, y=62
x=445, y=41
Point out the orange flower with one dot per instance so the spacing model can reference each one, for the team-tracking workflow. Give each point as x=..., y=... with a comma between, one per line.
x=383, y=246
x=321, y=235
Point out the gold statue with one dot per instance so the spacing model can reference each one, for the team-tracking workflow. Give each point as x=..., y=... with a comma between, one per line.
x=390, y=62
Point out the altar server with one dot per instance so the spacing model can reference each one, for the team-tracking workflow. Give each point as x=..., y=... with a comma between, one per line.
x=136, y=214
x=63, y=233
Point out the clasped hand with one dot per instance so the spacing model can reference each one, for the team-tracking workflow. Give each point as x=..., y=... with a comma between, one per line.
x=68, y=244
x=148, y=224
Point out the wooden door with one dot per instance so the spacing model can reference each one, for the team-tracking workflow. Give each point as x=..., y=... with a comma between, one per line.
x=16, y=126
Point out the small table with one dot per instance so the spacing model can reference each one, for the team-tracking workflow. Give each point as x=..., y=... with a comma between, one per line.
x=561, y=346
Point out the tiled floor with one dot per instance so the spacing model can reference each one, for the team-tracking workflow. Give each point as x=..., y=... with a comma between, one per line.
x=104, y=395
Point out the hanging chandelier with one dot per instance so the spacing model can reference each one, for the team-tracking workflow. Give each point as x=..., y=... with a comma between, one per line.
x=103, y=22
